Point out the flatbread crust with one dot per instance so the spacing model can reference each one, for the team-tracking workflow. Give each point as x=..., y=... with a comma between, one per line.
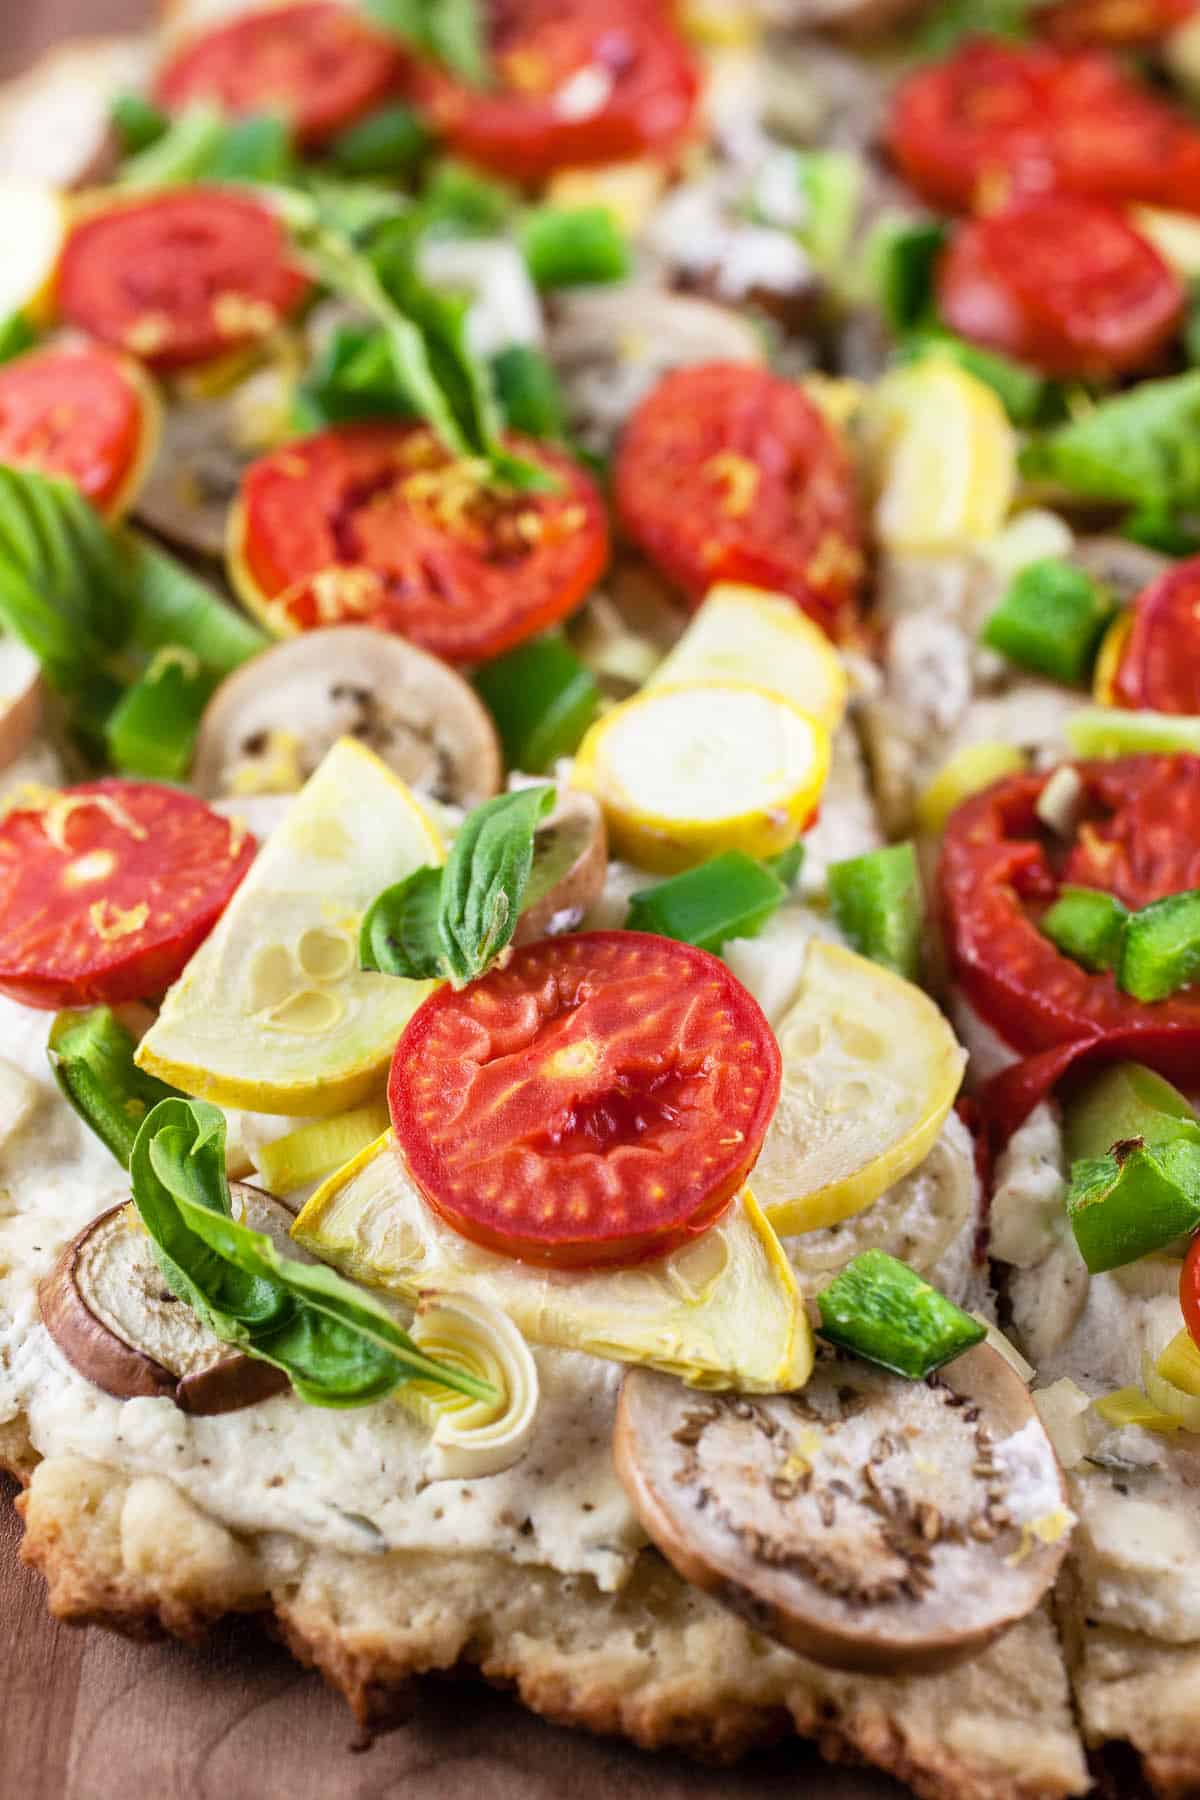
x=658, y=1662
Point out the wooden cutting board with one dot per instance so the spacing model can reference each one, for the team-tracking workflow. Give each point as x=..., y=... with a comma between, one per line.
x=85, y=1715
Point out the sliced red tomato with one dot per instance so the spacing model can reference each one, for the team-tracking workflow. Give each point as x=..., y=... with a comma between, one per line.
x=1120, y=24
x=378, y=523
x=998, y=117
x=1062, y=282
x=1189, y=1290
x=598, y=1100
x=318, y=63
x=1159, y=666
x=179, y=277
x=79, y=411
x=729, y=473
x=575, y=82
x=1138, y=838
x=106, y=889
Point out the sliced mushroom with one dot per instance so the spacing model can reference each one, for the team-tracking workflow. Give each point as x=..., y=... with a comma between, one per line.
x=869, y=1522
x=269, y=724
x=108, y=1308
x=1123, y=566
x=570, y=859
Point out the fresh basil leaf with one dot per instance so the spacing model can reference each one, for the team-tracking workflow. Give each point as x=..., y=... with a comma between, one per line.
x=399, y=934
x=17, y=336
x=171, y=608
x=91, y=1054
x=485, y=877
x=1140, y=448
x=60, y=587
x=451, y=31
x=337, y=1345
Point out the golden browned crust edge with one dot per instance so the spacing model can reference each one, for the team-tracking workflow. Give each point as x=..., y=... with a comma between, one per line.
x=658, y=1663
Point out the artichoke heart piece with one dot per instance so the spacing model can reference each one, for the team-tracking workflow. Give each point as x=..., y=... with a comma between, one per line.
x=272, y=1013
x=722, y=1313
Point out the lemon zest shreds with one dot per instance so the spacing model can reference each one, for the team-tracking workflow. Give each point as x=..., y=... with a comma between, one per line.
x=110, y=921
x=740, y=479
x=58, y=808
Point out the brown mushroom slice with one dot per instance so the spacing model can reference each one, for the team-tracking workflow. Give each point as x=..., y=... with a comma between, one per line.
x=870, y=1523
x=270, y=723
x=570, y=860
x=1125, y=568
x=108, y=1308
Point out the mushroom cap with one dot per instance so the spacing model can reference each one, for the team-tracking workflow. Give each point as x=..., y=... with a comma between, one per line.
x=420, y=717
x=570, y=860
x=108, y=1308
x=869, y=1522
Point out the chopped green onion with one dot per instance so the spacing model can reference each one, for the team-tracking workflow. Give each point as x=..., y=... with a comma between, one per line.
x=1051, y=620
x=901, y=258
x=528, y=391
x=138, y=122
x=1126, y=1101
x=1086, y=924
x=730, y=896
x=152, y=730
x=883, y=1311
x=1134, y=1201
x=91, y=1054
x=16, y=336
x=387, y=142
x=1160, y=947
x=542, y=698
x=1110, y=731
x=570, y=246
x=878, y=904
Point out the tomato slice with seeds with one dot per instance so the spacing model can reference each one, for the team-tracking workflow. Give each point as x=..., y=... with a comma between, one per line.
x=1119, y=24
x=78, y=411
x=727, y=472
x=179, y=277
x=1159, y=666
x=998, y=116
x=1139, y=838
x=598, y=1100
x=1062, y=282
x=576, y=82
x=107, y=888
x=320, y=64
x=1189, y=1290
x=378, y=523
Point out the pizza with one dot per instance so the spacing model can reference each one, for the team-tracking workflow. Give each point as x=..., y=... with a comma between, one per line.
x=600, y=862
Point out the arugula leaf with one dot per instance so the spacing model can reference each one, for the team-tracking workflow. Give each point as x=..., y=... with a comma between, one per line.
x=202, y=144
x=452, y=923
x=1141, y=447
x=337, y=1345
x=451, y=31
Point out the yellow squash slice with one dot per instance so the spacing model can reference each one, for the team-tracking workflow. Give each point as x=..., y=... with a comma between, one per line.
x=33, y=225
x=870, y=1070
x=273, y=1012
x=686, y=771
x=943, y=456
x=748, y=634
x=723, y=1312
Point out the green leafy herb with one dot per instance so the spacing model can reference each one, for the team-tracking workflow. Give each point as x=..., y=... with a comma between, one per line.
x=452, y=923
x=91, y=1054
x=573, y=246
x=1140, y=448
x=337, y=1345
x=17, y=336
x=730, y=896
x=1086, y=924
x=457, y=201
x=387, y=142
x=877, y=901
x=953, y=20
x=152, y=729
x=880, y=1309
x=528, y=391
x=202, y=144
x=786, y=867
x=450, y=31
x=1025, y=395
x=1051, y=620
x=1126, y=1100
x=901, y=255
x=353, y=376
x=542, y=698
x=137, y=122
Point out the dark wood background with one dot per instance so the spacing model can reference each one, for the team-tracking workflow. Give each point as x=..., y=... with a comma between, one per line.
x=87, y=1716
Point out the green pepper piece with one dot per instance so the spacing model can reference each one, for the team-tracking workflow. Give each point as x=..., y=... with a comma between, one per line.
x=16, y=336
x=1126, y=1101
x=569, y=246
x=91, y=1054
x=730, y=896
x=787, y=865
x=542, y=698
x=1051, y=620
x=459, y=202
x=152, y=730
x=902, y=257
x=527, y=389
x=880, y=1309
x=138, y=122
x=1086, y=924
x=1134, y=1201
x=878, y=904
x=387, y=142
x=1160, y=949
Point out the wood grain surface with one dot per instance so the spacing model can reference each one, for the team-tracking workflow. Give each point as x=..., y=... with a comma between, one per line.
x=85, y=1715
